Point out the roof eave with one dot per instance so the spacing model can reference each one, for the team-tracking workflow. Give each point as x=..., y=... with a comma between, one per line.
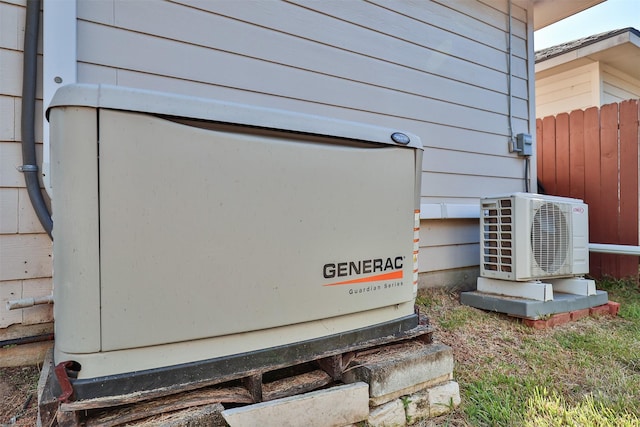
x=621, y=49
x=547, y=12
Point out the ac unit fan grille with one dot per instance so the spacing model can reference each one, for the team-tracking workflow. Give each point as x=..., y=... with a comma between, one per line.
x=550, y=238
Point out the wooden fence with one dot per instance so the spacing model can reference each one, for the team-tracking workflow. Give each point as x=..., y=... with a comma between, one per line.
x=592, y=155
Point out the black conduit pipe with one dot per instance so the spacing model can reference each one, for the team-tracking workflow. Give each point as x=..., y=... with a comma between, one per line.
x=29, y=81
x=27, y=340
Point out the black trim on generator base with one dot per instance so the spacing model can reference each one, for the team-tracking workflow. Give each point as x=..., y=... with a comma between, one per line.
x=168, y=380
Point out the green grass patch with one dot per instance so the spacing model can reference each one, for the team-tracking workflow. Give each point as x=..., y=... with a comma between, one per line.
x=546, y=408
x=498, y=399
x=584, y=373
x=627, y=293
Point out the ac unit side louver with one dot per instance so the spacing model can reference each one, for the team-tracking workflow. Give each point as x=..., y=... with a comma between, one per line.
x=527, y=236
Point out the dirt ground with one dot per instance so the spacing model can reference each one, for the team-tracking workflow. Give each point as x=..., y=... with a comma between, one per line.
x=19, y=400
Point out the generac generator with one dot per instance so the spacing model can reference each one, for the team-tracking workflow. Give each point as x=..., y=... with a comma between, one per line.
x=192, y=236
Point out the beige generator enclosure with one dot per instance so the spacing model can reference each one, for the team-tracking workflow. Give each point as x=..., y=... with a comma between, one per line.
x=193, y=237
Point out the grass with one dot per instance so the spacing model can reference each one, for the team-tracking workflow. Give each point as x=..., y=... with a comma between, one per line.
x=584, y=373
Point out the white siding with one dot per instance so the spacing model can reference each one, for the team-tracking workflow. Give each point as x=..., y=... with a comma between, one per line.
x=25, y=251
x=435, y=68
x=575, y=88
x=618, y=86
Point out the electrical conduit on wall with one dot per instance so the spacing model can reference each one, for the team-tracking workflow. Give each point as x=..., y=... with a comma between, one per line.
x=29, y=80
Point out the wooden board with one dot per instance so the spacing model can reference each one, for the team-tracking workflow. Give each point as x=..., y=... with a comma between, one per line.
x=25, y=354
x=576, y=154
x=108, y=401
x=298, y=384
x=168, y=404
x=628, y=224
x=609, y=182
x=549, y=155
x=562, y=155
x=205, y=402
x=601, y=167
x=25, y=256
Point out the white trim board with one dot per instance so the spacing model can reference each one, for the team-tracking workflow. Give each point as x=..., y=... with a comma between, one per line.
x=449, y=211
x=59, y=63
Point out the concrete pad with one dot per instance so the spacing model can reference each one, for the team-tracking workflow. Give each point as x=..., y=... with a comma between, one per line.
x=391, y=414
x=333, y=407
x=532, y=309
x=400, y=367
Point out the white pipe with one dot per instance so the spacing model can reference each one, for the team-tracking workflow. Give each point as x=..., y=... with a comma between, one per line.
x=614, y=249
x=29, y=302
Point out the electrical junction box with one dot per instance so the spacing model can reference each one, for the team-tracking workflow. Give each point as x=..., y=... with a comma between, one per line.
x=524, y=144
x=190, y=232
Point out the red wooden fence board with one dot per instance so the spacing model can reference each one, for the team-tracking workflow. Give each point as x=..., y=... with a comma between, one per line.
x=549, y=153
x=576, y=154
x=592, y=183
x=562, y=155
x=628, y=224
x=539, y=151
x=594, y=155
x=609, y=181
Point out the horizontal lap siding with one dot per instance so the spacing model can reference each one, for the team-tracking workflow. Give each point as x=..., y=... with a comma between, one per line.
x=437, y=69
x=567, y=91
x=618, y=86
x=25, y=251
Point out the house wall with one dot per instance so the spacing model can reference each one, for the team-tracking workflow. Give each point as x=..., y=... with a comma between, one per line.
x=435, y=68
x=438, y=69
x=25, y=249
x=618, y=86
x=582, y=84
x=568, y=89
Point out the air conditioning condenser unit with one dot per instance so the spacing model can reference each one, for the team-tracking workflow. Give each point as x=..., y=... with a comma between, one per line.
x=528, y=236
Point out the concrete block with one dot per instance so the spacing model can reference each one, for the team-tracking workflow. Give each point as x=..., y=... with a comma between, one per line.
x=574, y=285
x=417, y=407
x=443, y=397
x=537, y=291
x=333, y=407
x=391, y=414
x=400, y=367
x=379, y=400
